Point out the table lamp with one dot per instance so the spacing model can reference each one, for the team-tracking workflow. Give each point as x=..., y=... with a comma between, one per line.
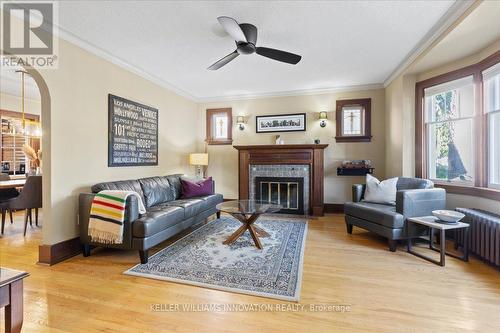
x=199, y=160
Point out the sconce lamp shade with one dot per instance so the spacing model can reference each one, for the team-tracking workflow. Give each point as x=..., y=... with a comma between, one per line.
x=323, y=115
x=198, y=159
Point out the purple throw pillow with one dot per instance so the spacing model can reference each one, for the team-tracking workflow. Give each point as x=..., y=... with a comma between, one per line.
x=196, y=189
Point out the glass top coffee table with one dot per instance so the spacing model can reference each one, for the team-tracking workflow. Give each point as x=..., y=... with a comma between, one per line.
x=247, y=212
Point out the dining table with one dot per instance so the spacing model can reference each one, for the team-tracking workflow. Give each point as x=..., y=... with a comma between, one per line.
x=13, y=183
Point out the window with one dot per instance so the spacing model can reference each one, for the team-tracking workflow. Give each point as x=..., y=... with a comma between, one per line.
x=219, y=126
x=491, y=90
x=353, y=120
x=449, y=122
x=457, y=136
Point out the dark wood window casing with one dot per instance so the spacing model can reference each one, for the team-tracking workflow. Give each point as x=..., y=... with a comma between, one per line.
x=479, y=187
x=365, y=104
x=210, y=138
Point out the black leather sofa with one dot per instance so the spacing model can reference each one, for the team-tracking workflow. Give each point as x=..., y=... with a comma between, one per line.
x=166, y=213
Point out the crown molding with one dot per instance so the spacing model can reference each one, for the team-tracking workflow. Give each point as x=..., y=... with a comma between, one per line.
x=451, y=16
x=303, y=92
x=73, y=39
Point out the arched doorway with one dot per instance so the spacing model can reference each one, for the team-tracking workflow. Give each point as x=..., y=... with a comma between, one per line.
x=44, y=141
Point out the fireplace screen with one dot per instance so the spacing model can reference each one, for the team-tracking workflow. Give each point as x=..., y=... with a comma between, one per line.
x=288, y=192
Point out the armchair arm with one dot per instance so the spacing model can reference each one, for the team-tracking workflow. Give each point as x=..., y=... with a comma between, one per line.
x=358, y=192
x=131, y=214
x=411, y=203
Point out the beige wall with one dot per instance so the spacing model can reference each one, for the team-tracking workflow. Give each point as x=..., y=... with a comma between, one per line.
x=224, y=159
x=400, y=122
x=394, y=128
x=79, y=91
x=13, y=103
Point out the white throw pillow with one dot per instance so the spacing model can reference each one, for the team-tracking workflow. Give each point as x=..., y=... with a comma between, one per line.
x=380, y=191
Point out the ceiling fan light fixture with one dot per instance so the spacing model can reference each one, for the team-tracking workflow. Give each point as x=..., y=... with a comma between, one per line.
x=245, y=36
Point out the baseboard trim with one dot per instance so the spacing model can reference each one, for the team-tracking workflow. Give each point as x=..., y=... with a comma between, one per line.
x=55, y=253
x=331, y=208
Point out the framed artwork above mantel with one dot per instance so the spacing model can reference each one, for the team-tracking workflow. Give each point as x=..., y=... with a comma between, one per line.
x=281, y=123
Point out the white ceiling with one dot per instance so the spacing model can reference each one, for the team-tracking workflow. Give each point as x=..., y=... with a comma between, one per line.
x=342, y=43
x=10, y=83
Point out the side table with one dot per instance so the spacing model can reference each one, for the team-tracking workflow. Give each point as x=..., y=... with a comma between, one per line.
x=11, y=297
x=431, y=222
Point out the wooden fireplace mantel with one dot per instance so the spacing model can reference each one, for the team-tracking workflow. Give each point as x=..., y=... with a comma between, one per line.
x=310, y=154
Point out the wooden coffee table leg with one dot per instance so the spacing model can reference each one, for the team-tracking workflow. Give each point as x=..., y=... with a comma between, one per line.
x=260, y=232
x=236, y=235
x=255, y=231
x=256, y=239
x=14, y=311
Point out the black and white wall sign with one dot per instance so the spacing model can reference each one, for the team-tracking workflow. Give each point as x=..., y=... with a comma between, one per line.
x=133, y=133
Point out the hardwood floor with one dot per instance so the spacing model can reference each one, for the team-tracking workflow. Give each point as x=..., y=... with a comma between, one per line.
x=387, y=292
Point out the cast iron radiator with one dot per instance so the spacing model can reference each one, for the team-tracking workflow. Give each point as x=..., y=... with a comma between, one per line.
x=484, y=234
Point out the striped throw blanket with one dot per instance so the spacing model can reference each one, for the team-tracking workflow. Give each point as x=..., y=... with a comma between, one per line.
x=107, y=215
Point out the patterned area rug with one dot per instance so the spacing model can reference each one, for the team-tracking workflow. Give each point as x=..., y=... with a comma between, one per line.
x=201, y=259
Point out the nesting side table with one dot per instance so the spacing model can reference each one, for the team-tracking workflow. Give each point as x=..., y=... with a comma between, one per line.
x=432, y=224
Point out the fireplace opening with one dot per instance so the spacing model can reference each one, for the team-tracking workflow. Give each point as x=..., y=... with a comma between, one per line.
x=286, y=191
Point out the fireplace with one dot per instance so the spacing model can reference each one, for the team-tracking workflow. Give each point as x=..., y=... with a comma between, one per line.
x=285, y=191
x=303, y=161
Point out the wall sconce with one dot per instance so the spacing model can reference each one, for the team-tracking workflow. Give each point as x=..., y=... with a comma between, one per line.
x=323, y=116
x=240, y=121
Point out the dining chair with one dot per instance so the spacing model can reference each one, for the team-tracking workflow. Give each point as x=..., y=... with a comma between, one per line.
x=29, y=199
x=7, y=193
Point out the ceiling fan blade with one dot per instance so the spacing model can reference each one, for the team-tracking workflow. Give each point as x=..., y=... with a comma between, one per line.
x=278, y=55
x=218, y=64
x=250, y=32
x=232, y=28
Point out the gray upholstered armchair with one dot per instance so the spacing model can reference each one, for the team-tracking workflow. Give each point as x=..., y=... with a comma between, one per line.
x=29, y=199
x=415, y=197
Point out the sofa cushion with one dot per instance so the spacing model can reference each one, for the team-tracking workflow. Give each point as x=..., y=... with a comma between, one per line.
x=191, y=207
x=211, y=200
x=122, y=185
x=156, y=190
x=175, y=183
x=192, y=189
x=384, y=215
x=380, y=191
x=157, y=219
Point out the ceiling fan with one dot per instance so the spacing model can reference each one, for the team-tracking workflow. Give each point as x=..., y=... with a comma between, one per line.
x=245, y=36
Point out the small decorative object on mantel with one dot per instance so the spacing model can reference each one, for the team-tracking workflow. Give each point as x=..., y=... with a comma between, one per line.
x=281, y=123
x=317, y=141
x=279, y=140
x=355, y=168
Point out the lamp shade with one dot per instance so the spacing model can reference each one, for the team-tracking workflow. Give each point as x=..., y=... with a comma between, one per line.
x=198, y=159
x=240, y=120
x=323, y=115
